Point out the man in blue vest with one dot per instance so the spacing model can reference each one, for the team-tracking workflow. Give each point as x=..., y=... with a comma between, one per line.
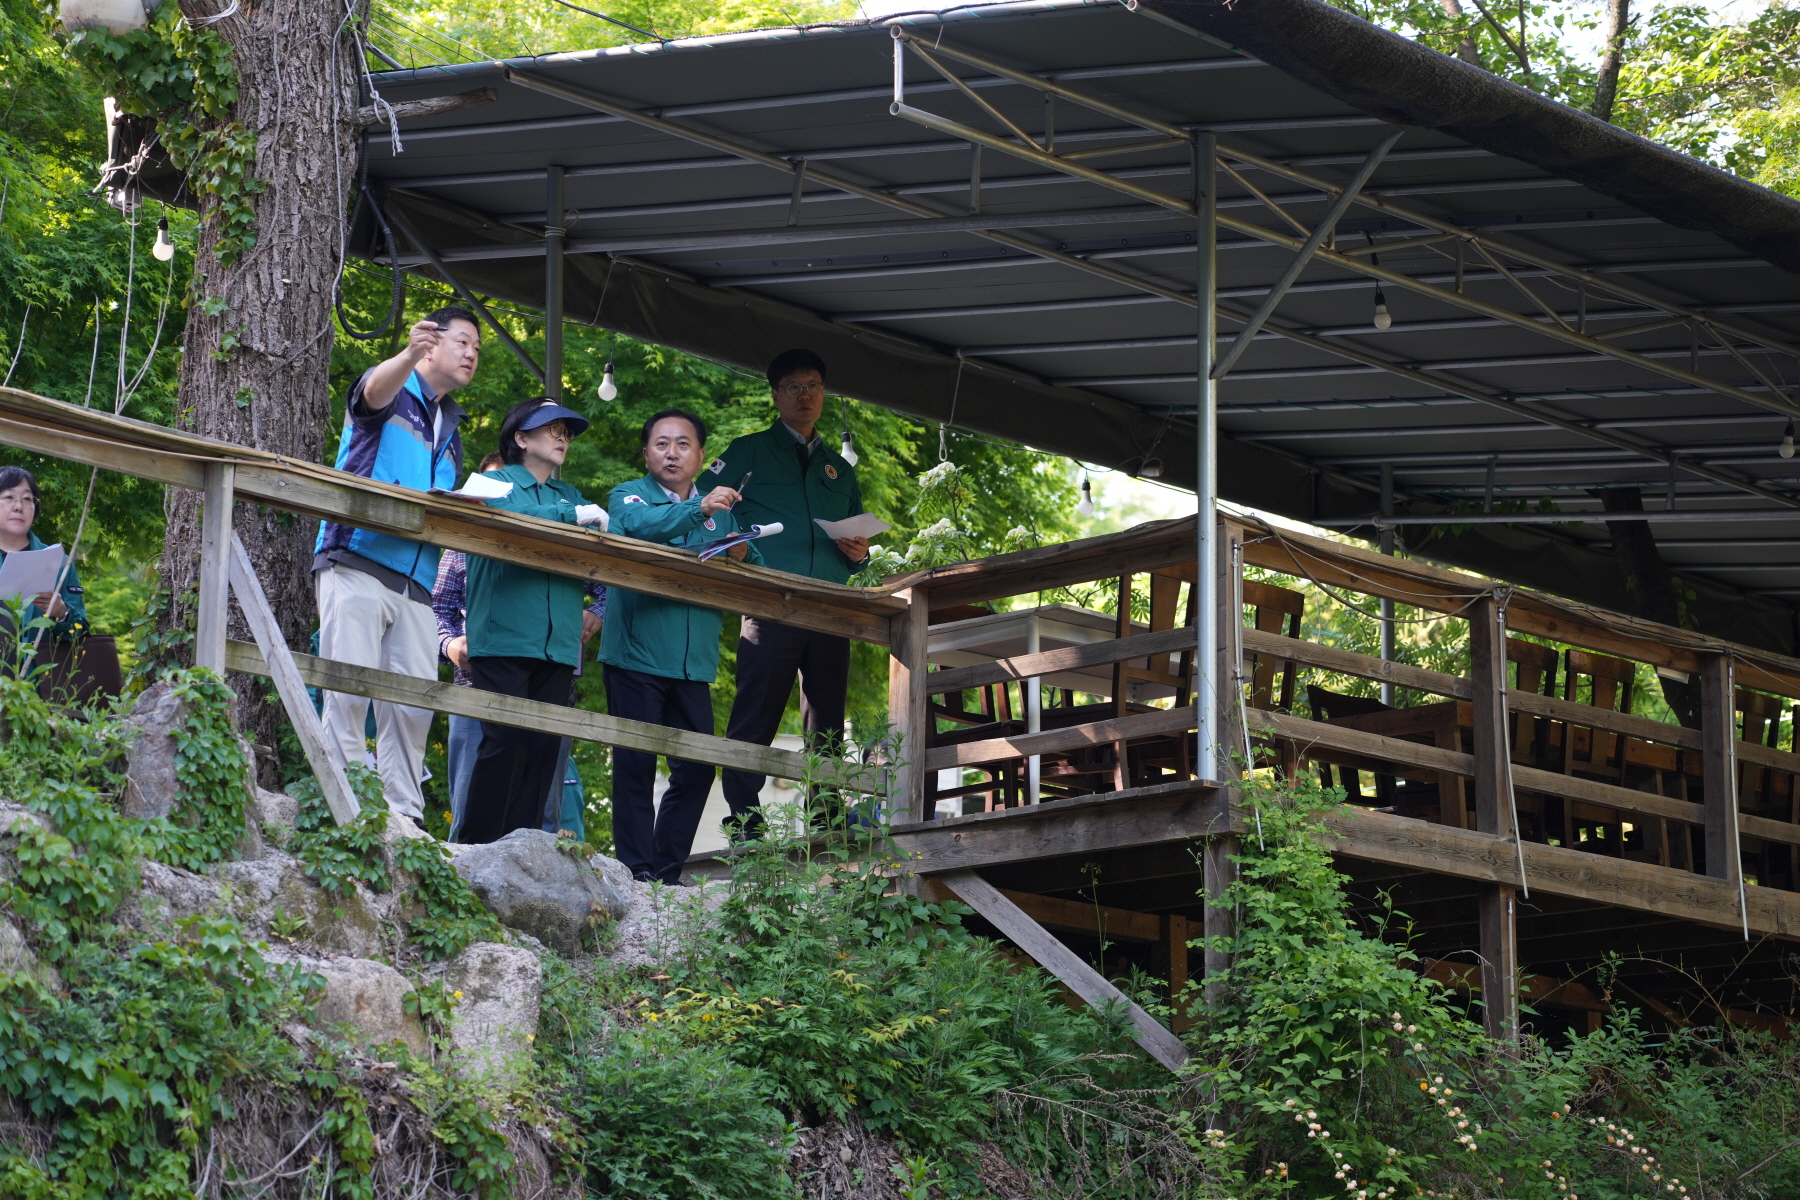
x=400, y=426
x=795, y=479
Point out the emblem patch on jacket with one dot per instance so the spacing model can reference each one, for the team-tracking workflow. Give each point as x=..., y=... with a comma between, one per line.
x=634, y=499
x=830, y=471
x=711, y=523
x=716, y=466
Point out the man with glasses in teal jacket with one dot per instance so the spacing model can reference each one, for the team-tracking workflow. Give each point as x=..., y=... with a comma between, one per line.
x=797, y=480
x=662, y=655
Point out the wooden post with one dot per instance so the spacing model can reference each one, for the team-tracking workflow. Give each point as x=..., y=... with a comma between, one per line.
x=334, y=785
x=215, y=567
x=1497, y=903
x=1175, y=937
x=1718, y=767
x=1500, y=963
x=1064, y=963
x=909, y=704
x=1218, y=870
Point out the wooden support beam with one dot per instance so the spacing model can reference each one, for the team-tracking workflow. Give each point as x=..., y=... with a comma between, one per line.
x=1065, y=964
x=1177, y=933
x=909, y=704
x=1095, y=733
x=1069, y=916
x=216, y=540
x=1144, y=817
x=1143, y=548
x=1718, y=766
x=334, y=784
x=1489, y=743
x=1168, y=812
x=1500, y=963
x=352, y=680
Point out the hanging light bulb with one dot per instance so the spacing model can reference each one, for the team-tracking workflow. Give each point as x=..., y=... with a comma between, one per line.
x=1152, y=468
x=846, y=450
x=1383, y=318
x=164, y=249
x=1086, y=507
x=1787, y=440
x=609, y=389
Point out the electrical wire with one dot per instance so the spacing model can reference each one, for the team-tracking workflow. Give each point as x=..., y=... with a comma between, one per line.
x=655, y=37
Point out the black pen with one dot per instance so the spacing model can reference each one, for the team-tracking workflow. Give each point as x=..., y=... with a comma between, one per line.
x=742, y=484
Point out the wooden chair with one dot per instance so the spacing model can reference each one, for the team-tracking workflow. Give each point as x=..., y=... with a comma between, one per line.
x=1271, y=608
x=1596, y=753
x=1327, y=705
x=1154, y=760
x=1767, y=791
x=1534, y=670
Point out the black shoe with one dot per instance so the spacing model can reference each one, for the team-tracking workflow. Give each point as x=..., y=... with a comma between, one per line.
x=646, y=877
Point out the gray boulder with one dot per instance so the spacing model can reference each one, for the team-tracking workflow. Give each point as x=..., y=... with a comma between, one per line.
x=272, y=896
x=365, y=999
x=15, y=816
x=497, y=990
x=531, y=885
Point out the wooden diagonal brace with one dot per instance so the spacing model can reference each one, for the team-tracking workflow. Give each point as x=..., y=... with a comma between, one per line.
x=1064, y=963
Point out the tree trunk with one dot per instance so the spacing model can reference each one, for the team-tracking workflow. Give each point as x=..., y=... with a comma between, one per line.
x=1606, y=86
x=1653, y=588
x=1465, y=48
x=257, y=353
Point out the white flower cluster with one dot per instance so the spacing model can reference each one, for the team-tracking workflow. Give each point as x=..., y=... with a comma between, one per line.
x=1622, y=1138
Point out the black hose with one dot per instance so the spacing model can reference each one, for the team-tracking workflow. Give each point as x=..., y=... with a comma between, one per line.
x=387, y=233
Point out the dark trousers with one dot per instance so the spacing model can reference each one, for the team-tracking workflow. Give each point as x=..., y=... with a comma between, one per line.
x=512, y=772
x=770, y=654
x=648, y=840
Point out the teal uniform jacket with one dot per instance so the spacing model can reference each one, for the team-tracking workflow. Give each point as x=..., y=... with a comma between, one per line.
x=783, y=489
x=649, y=633
x=75, y=622
x=521, y=612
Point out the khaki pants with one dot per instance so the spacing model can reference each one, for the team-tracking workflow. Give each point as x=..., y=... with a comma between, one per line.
x=365, y=623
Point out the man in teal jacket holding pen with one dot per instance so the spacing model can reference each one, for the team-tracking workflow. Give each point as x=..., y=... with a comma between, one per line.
x=798, y=481
x=662, y=655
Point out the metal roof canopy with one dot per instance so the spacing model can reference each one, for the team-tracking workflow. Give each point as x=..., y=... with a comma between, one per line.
x=1000, y=233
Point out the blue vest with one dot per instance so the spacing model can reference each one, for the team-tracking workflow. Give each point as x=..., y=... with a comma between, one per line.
x=395, y=446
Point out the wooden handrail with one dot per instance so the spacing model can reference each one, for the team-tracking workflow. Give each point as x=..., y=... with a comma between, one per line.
x=332, y=676
x=1068, y=658
x=1097, y=733
x=171, y=457
x=1349, y=662
x=1455, y=762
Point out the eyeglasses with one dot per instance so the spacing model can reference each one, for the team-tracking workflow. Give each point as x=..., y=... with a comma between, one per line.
x=22, y=502
x=795, y=390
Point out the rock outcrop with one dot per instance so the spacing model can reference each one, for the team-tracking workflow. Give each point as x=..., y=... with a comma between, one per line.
x=363, y=999
x=530, y=884
x=497, y=990
x=152, y=788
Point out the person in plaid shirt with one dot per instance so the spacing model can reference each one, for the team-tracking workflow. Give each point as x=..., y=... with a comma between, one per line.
x=448, y=603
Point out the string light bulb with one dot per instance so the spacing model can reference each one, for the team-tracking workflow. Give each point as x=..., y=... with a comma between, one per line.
x=847, y=450
x=1383, y=318
x=1787, y=440
x=1086, y=507
x=1152, y=468
x=164, y=249
x=609, y=387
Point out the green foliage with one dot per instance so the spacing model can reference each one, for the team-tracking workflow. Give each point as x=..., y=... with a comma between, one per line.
x=214, y=773
x=454, y=914
x=337, y=858
x=186, y=79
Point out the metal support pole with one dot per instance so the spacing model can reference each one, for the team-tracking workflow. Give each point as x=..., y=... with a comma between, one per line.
x=1487, y=504
x=1387, y=606
x=1034, y=713
x=215, y=567
x=555, y=237
x=469, y=297
x=1210, y=747
x=1674, y=470
x=974, y=179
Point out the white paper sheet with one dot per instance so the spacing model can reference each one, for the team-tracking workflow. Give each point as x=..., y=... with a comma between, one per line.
x=478, y=487
x=863, y=525
x=28, y=573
